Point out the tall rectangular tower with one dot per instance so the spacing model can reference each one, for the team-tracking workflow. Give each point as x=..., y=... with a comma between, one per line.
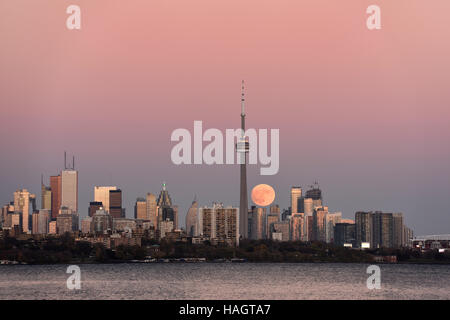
x=55, y=186
x=69, y=189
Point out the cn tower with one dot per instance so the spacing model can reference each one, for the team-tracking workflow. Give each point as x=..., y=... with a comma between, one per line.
x=242, y=150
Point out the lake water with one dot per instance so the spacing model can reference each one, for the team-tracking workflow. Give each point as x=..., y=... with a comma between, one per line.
x=225, y=281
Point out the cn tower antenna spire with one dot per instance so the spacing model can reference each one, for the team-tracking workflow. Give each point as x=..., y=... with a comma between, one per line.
x=242, y=100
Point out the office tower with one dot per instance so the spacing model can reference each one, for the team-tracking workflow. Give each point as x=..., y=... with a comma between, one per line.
x=175, y=217
x=164, y=199
x=166, y=209
x=192, y=220
x=258, y=217
x=309, y=227
x=69, y=189
x=315, y=194
x=308, y=206
x=140, y=209
x=152, y=209
x=242, y=148
x=319, y=224
x=350, y=221
x=270, y=219
x=40, y=219
x=22, y=200
x=115, y=203
x=296, y=194
x=363, y=222
x=66, y=221
x=93, y=207
x=344, y=233
x=101, y=194
x=280, y=231
x=297, y=227
x=55, y=186
x=86, y=223
x=330, y=221
x=397, y=229
x=46, y=196
x=101, y=222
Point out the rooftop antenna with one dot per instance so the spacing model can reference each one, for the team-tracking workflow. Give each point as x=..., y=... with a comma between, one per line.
x=242, y=99
x=42, y=179
x=73, y=163
x=65, y=160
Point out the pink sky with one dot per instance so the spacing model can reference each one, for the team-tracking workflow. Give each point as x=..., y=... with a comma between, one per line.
x=364, y=112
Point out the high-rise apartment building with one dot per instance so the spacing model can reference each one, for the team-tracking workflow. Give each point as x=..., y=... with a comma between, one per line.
x=220, y=224
x=344, y=233
x=397, y=228
x=363, y=222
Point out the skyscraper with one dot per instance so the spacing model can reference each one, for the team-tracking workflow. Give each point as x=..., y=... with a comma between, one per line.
x=22, y=199
x=46, y=196
x=166, y=209
x=93, y=207
x=258, y=217
x=363, y=222
x=242, y=148
x=296, y=194
x=297, y=225
x=69, y=189
x=397, y=229
x=319, y=224
x=152, y=209
x=315, y=194
x=55, y=186
x=192, y=220
x=220, y=224
x=40, y=219
x=115, y=204
x=140, y=209
x=101, y=194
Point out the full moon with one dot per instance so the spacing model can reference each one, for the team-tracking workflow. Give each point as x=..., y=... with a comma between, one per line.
x=263, y=195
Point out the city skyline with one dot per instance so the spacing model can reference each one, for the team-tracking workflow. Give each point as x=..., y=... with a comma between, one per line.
x=362, y=112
